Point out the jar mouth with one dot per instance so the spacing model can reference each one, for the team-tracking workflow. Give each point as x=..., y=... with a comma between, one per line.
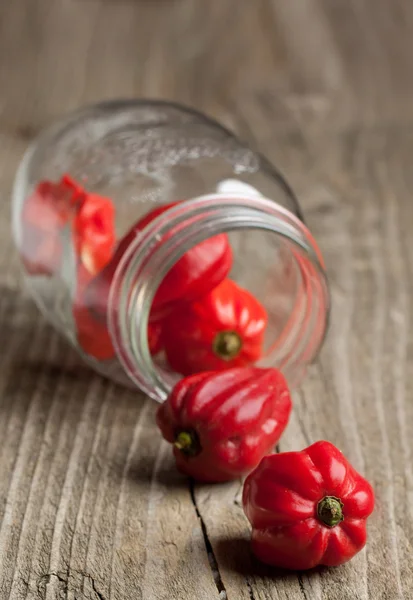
x=168, y=237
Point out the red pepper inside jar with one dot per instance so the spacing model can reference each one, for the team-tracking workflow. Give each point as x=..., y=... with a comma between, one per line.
x=143, y=156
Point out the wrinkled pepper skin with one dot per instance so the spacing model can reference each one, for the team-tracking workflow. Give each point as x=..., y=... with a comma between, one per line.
x=222, y=423
x=196, y=273
x=224, y=329
x=307, y=508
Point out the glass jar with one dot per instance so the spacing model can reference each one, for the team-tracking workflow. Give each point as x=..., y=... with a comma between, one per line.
x=143, y=154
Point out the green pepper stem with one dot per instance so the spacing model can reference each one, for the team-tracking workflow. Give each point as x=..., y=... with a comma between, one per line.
x=330, y=511
x=227, y=344
x=188, y=443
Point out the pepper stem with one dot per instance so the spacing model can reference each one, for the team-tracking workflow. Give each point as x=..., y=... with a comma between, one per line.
x=330, y=511
x=227, y=344
x=188, y=443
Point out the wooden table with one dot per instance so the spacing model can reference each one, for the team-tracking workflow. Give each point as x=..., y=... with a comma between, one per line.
x=90, y=503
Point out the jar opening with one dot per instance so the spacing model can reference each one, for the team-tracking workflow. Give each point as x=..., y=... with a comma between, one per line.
x=276, y=259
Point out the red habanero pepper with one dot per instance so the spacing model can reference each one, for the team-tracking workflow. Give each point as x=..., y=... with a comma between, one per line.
x=51, y=205
x=202, y=266
x=222, y=423
x=307, y=508
x=94, y=245
x=94, y=240
x=223, y=329
x=94, y=232
x=91, y=328
x=49, y=208
x=196, y=273
x=94, y=338
x=92, y=333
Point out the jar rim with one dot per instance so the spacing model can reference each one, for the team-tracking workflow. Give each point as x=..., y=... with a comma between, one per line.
x=150, y=257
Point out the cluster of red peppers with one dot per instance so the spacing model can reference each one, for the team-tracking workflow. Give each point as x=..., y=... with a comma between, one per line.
x=200, y=319
x=225, y=416
x=306, y=508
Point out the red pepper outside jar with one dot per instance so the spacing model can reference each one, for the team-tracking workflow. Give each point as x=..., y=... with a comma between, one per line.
x=143, y=155
x=307, y=508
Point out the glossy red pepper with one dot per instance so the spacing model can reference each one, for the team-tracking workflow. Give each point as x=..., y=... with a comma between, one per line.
x=44, y=214
x=222, y=423
x=94, y=232
x=223, y=329
x=307, y=508
x=196, y=273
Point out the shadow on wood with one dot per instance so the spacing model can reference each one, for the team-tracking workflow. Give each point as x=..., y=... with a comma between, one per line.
x=236, y=555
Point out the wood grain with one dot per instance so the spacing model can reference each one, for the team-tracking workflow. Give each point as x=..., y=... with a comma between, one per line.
x=90, y=504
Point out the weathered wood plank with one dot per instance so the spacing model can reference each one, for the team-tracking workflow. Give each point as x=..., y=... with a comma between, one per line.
x=357, y=394
x=90, y=503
